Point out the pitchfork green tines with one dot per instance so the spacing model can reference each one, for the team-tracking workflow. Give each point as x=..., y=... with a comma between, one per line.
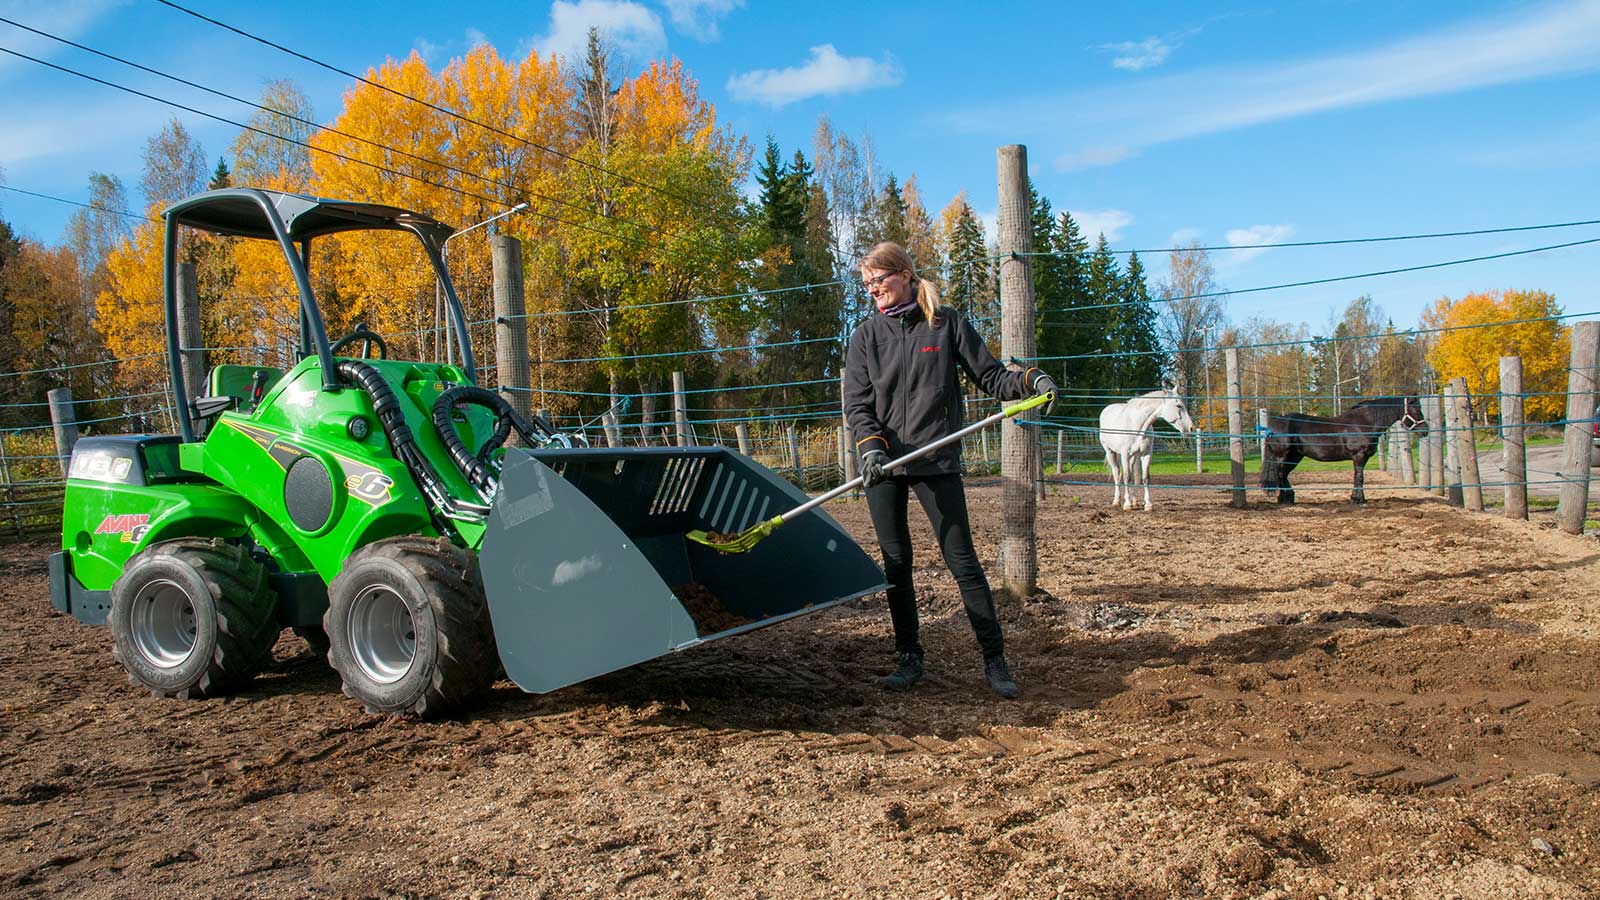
x=746, y=540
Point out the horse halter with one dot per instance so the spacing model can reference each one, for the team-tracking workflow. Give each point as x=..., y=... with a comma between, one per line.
x=1408, y=421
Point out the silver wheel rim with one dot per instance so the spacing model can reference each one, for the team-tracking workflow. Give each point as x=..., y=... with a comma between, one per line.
x=163, y=624
x=383, y=639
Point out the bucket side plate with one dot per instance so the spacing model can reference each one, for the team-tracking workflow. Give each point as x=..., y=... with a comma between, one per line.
x=570, y=595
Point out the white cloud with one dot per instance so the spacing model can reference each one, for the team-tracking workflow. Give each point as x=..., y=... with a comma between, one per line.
x=698, y=18
x=635, y=32
x=438, y=54
x=1530, y=43
x=67, y=18
x=826, y=73
x=1255, y=234
x=1093, y=157
x=1094, y=222
x=1184, y=237
x=1136, y=56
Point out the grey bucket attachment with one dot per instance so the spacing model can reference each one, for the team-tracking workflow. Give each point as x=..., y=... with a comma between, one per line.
x=585, y=547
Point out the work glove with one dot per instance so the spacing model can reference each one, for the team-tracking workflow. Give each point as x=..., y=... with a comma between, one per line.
x=872, y=463
x=1044, y=384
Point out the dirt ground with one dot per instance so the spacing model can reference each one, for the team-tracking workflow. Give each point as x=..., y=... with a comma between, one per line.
x=1324, y=701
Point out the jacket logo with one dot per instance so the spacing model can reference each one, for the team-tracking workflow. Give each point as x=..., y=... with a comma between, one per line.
x=930, y=349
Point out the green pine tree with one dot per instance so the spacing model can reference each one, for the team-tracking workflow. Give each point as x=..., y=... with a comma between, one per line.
x=890, y=215
x=1103, y=283
x=221, y=176
x=1136, y=333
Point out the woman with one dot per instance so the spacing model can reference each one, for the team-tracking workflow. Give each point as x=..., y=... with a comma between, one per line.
x=900, y=393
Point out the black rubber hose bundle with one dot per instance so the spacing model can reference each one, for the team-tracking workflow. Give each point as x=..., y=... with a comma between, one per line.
x=392, y=418
x=476, y=468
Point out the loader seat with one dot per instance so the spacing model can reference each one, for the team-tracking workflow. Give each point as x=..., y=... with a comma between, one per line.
x=239, y=385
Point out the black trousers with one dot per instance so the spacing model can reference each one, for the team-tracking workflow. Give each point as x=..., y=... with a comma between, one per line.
x=945, y=502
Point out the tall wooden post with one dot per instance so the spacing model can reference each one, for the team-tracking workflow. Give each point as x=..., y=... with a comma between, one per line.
x=794, y=454
x=1408, y=469
x=1019, y=446
x=1574, y=503
x=1235, y=429
x=192, y=346
x=1261, y=429
x=11, y=495
x=612, y=430
x=680, y=412
x=64, y=423
x=1515, y=463
x=1424, y=447
x=1466, y=449
x=1439, y=436
x=511, y=367
x=1452, y=457
x=741, y=433
x=1060, y=458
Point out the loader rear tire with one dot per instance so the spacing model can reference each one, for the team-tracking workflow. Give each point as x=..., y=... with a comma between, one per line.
x=408, y=628
x=194, y=617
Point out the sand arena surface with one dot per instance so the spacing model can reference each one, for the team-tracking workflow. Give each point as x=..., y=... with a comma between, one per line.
x=1392, y=701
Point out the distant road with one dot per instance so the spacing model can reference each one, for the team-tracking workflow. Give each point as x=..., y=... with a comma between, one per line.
x=1544, y=465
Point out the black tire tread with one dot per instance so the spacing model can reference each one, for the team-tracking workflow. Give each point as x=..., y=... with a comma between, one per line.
x=247, y=624
x=468, y=661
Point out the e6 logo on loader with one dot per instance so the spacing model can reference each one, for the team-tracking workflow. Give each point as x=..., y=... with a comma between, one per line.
x=132, y=526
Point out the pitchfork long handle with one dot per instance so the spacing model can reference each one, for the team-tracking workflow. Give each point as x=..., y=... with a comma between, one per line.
x=920, y=452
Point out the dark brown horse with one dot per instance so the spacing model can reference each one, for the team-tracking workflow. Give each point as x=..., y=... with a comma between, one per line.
x=1352, y=435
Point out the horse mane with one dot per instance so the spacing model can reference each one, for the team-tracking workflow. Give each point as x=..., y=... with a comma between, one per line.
x=1380, y=401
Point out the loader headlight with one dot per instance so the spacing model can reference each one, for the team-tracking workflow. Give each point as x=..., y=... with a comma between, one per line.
x=358, y=427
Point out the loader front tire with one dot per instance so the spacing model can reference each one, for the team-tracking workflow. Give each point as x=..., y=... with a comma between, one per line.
x=408, y=628
x=194, y=617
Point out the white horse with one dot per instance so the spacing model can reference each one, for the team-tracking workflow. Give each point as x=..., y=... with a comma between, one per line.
x=1125, y=435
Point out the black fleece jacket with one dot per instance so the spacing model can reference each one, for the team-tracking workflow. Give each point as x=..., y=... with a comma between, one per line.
x=900, y=389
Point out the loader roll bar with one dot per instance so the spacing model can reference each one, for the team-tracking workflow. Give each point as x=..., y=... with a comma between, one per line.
x=291, y=219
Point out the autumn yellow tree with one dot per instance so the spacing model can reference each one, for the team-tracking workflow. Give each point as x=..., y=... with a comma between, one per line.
x=1469, y=344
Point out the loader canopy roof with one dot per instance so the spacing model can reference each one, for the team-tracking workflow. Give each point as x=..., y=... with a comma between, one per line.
x=240, y=212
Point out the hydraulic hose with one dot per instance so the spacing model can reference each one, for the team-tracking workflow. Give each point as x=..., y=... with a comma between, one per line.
x=476, y=468
x=391, y=417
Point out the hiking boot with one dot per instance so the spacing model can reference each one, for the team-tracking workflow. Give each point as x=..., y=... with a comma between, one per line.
x=998, y=675
x=909, y=672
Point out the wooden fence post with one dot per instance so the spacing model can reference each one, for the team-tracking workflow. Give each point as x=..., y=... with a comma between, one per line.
x=191, y=344
x=1466, y=448
x=612, y=431
x=511, y=367
x=1019, y=446
x=1440, y=438
x=1261, y=429
x=1235, y=429
x=794, y=454
x=1424, y=447
x=1452, y=458
x=741, y=433
x=1514, y=465
x=11, y=494
x=680, y=412
x=1408, y=469
x=64, y=423
x=1060, y=459
x=1573, y=506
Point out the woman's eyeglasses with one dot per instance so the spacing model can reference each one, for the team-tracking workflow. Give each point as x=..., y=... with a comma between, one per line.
x=874, y=282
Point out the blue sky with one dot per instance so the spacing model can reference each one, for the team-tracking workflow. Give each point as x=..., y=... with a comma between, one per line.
x=1225, y=123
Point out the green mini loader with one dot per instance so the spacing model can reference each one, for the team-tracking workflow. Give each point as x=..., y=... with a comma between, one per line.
x=373, y=505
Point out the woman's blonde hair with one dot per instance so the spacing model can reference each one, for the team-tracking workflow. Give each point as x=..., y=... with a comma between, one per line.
x=891, y=257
